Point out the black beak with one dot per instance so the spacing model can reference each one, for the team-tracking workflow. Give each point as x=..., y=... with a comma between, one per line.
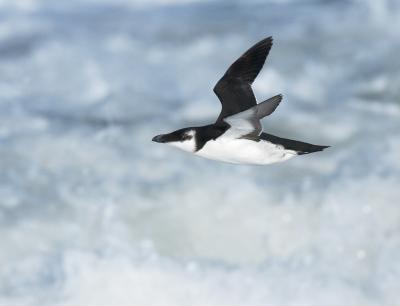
x=159, y=138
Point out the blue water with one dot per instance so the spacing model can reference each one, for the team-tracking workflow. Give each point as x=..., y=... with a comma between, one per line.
x=93, y=213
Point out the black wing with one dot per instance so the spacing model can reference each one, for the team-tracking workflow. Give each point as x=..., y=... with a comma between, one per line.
x=295, y=145
x=234, y=88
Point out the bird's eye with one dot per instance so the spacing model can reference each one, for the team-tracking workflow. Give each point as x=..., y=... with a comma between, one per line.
x=187, y=137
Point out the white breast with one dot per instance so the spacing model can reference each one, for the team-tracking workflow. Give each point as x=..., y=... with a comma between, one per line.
x=244, y=151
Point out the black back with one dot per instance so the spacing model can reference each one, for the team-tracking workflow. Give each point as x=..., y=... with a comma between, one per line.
x=234, y=88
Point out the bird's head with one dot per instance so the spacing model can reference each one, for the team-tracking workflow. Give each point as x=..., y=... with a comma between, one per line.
x=183, y=139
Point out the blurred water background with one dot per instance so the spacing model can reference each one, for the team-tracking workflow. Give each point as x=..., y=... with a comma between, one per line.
x=93, y=213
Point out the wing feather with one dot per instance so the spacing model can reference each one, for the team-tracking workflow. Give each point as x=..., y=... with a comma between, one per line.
x=234, y=88
x=247, y=123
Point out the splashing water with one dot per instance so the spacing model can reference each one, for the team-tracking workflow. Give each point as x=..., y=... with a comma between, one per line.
x=93, y=213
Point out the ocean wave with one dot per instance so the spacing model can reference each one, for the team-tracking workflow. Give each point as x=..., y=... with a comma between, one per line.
x=93, y=213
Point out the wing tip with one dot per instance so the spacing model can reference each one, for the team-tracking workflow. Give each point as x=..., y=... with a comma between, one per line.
x=312, y=149
x=277, y=98
x=266, y=42
x=269, y=40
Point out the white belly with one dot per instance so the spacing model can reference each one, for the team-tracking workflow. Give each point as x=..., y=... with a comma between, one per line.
x=244, y=151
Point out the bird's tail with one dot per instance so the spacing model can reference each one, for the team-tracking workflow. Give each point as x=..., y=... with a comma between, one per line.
x=295, y=145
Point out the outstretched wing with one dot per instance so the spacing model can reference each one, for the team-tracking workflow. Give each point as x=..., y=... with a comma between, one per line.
x=247, y=124
x=234, y=88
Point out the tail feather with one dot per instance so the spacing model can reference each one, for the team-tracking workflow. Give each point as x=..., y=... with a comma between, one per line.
x=295, y=145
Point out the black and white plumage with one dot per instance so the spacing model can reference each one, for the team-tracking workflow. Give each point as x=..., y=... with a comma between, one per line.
x=237, y=135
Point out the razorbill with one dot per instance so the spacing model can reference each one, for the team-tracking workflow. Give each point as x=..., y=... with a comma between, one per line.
x=237, y=136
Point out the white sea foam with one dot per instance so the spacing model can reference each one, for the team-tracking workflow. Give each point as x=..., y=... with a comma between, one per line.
x=93, y=213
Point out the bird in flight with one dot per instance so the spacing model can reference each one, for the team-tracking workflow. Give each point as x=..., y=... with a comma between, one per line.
x=237, y=135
